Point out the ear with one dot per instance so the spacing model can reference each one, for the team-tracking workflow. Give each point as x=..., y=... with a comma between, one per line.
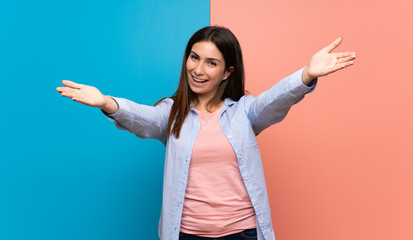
x=228, y=73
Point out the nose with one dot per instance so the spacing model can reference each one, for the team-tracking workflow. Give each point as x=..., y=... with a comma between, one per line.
x=199, y=69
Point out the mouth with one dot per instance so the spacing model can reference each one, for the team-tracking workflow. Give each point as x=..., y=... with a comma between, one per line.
x=198, y=80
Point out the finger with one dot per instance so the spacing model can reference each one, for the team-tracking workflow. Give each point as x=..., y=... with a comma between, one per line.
x=71, y=84
x=68, y=92
x=77, y=99
x=341, y=66
x=334, y=44
x=81, y=100
x=345, y=59
x=63, y=89
x=345, y=54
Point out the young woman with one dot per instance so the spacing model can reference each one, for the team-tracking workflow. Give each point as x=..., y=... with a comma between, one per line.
x=214, y=186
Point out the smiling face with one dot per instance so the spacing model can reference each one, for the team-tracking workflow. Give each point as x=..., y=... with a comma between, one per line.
x=206, y=69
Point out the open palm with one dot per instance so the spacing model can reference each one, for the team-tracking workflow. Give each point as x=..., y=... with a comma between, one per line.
x=325, y=62
x=85, y=94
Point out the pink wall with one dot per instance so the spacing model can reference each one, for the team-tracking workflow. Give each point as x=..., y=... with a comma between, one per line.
x=340, y=166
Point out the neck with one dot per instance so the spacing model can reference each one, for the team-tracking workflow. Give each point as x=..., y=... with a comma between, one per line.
x=202, y=106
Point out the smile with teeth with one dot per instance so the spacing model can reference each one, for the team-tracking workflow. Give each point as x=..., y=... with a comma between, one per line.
x=198, y=80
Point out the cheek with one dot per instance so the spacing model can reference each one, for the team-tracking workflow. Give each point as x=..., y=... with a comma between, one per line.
x=189, y=65
x=215, y=73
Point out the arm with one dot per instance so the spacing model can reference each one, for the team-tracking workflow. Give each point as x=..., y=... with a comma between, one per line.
x=88, y=95
x=273, y=105
x=111, y=106
x=144, y=121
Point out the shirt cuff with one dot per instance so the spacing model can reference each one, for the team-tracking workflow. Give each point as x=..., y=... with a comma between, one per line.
x=299, y=86
x=113, y=116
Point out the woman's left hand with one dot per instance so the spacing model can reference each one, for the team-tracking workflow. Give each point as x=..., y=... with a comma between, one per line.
x=325, y=62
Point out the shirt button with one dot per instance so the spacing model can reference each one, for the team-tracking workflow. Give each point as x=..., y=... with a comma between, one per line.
x=239, y=156
x=254, y=201
x=246, y=178
x=261, y=222
x=222, y=124
x=229, y=136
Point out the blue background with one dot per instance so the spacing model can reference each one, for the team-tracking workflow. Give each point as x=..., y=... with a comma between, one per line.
x=66, y=172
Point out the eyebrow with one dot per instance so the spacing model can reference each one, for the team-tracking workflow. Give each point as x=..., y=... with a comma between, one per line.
x=210, y=59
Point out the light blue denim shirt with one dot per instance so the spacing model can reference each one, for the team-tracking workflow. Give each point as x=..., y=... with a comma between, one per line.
x=240, y=121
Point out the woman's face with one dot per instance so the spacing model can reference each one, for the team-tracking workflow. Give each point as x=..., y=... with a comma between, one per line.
x=206, y=69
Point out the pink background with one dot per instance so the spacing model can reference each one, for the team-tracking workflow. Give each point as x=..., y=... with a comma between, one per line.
x=340, y=166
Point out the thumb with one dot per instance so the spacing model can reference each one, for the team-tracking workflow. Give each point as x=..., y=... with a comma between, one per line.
x=334, y=44
x=71, y=84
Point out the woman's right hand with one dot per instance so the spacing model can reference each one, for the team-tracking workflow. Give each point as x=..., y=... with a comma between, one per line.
x=88, y=95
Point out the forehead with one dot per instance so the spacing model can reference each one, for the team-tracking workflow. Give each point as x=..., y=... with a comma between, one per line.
x=207, y=49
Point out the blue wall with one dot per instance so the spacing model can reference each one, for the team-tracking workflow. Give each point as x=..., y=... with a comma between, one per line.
x=66, y=172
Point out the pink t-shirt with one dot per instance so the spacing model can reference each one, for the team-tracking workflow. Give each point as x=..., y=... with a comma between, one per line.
x=216, y=200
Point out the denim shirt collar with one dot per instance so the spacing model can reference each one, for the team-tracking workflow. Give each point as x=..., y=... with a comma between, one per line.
x=227, y=103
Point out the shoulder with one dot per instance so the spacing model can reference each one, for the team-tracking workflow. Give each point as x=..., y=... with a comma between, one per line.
x=165, y=102
x=168, y=101
x=239, y=105
x=244, y=101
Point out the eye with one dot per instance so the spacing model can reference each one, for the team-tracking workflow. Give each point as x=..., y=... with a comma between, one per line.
x=193, y=56
x=213, y=63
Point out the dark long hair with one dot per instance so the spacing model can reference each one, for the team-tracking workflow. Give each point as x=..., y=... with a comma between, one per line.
x=232, y=87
